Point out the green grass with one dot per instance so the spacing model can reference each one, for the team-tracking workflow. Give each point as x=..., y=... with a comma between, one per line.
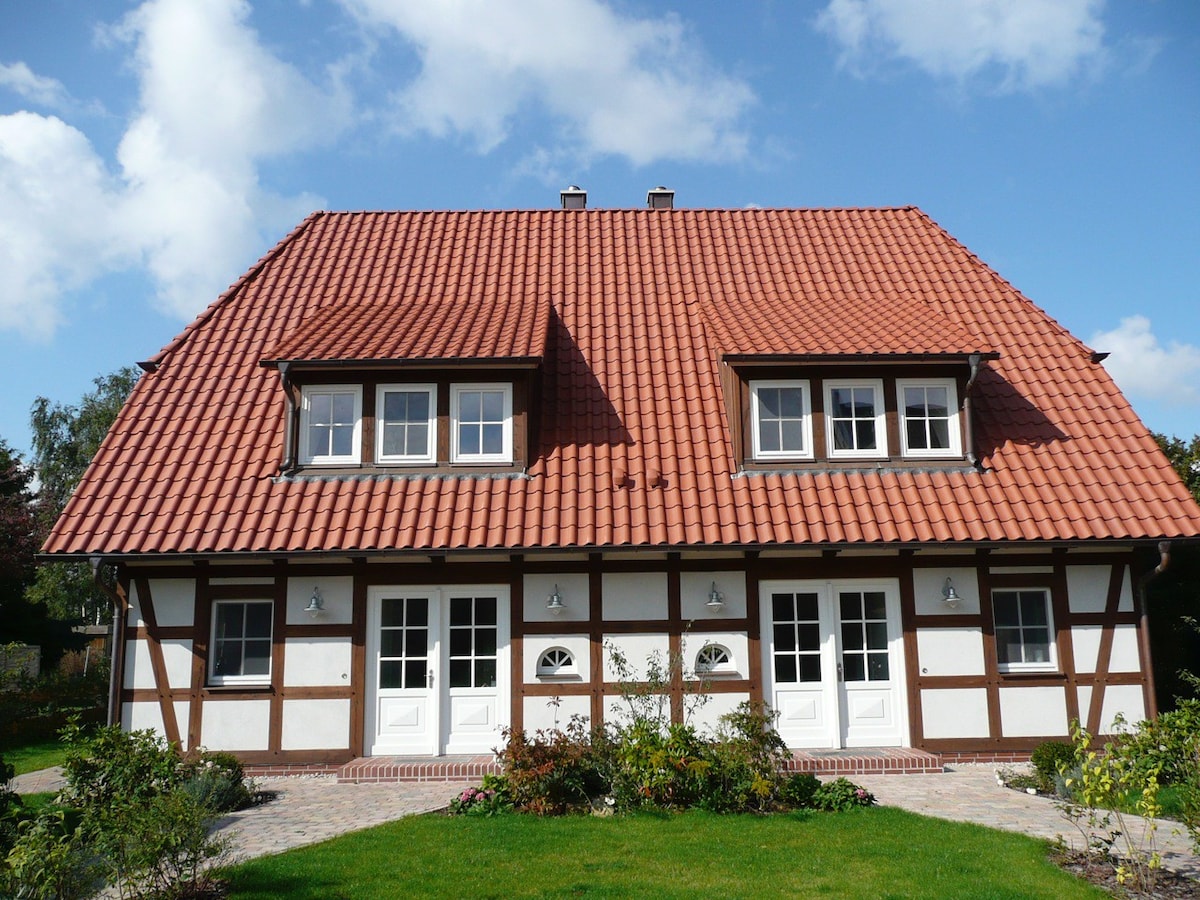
x=870, y=853
x=35, y=755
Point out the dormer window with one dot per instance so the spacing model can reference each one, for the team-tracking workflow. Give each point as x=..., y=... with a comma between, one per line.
x=481, y=426
x=928, y=417
x=406, y=424
x=330, y=424
x=782, y=419
x=855, y=423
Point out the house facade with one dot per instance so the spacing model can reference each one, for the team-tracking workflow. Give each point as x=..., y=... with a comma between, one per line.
x=421, y=476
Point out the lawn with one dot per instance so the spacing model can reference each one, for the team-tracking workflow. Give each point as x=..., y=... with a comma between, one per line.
x=868, y=853
x=35, y=755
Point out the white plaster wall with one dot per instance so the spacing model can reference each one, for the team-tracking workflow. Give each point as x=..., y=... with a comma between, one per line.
x=177, y=656
x=634, y=595
x=927, y=587
x=315, y=724
x=616, y=709
x=148, y=714
x=1125, y=699
x=706, y=717
x=694, y=588
x=174, y=601
x=1085, y=701
x=541, y=715
x=316, y=661
x=1085, y=642
x=534, y=645
x=1087, y=589
x=138, y=672
x=637, y=649
x=236, y=725
x=1125, y=656
x=572, y=588
x=735, y=641
x=336, y=592
x=1033, y=711
x=950, y=651
x=954, y=712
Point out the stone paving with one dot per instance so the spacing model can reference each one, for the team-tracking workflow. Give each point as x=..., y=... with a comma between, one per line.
x=309, y=809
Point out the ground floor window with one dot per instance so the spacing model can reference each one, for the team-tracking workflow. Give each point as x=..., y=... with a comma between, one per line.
x=1024, y=626
x=241, y=642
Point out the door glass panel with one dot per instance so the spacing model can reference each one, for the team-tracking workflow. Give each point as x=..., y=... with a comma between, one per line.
x=877, y=635
x=391, y=674
x=460, y=673
x=875, y=603
x=864, y=629
x=853, y=668
x=797, y=645
x=472, y=642
x=391, y=643
x=415, y=674
x=785, y=669
x=485, y=673
x=460, y=641
x=810, y=668
x=852, y=638
x=403, y=642
x=485, y=641
x=877, y=667
x=460, y=611
x=782, y=607
x=851, y=605
x=485, y=611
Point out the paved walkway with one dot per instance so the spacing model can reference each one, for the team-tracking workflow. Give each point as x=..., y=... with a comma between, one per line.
x=309, y=809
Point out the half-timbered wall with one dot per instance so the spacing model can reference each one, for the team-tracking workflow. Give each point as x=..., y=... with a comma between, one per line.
x=314, y=706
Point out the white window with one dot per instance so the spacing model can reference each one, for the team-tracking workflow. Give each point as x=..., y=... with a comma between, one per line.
x=481, y=423
x=781, y=420
x=241, y=642
x=854, y=419
x=1024, y=630
x=330, y=424
x=557, y=662
x=406, y=423
x=714, y=659
x=928, y=417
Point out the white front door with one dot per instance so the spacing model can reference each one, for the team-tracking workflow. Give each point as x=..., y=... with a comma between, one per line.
x=833, y=662
x=437, y=666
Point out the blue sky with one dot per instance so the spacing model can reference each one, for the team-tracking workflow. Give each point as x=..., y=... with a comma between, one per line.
x=149, y=153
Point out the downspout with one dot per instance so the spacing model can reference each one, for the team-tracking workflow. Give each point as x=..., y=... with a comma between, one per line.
x=116, y=659
x=1164, y=560
x=289, y=420
x=974, y=361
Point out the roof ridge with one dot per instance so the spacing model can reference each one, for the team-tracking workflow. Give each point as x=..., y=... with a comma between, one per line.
x=209, y=311
x=909, y=207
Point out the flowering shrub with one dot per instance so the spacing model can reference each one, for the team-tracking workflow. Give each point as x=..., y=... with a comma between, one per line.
x=554, y=771
x=840, y=795
x=486, y=800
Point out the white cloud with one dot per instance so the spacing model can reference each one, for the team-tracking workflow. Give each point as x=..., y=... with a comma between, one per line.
x=37, y=89
x=1033, y=43
x=57, y=204
x=614, y=85
x=1142, y=367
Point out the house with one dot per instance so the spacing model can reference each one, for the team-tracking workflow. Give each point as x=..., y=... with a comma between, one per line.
x=408, y=480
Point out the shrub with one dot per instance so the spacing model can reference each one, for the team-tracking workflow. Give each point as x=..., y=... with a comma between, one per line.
x=51, y=859
x=841, y=795
x=12, y=811
x=489, y=799
x=114, y=767
x=217, y=780
x=1167, y=745
x=1049, y=760
x=747, y=760
x=553, y=771
x=799, y=789
x=653, y=767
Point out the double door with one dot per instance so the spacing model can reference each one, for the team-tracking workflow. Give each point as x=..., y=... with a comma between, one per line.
x=833, y=662
x=437, y=669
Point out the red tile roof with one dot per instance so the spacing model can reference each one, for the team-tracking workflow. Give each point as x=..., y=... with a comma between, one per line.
x=634, y=310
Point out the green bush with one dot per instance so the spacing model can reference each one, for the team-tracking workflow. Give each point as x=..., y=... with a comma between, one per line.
x=112, y=767
x=11, y=810
x=489, y=799
x=747, y=761
x=799, y=789
x=840, y=795
x=652, y=767
x=52, y=859
x=1167, y=745
x=216, y=780
x=1049, y=760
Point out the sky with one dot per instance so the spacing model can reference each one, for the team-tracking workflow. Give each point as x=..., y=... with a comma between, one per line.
x=151, y=152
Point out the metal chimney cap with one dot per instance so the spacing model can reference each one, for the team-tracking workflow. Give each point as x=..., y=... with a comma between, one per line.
x=573, y=197
x=660, y=198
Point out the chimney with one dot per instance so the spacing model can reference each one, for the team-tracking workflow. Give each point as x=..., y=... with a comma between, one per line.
x=574, y=197
x=660, y=198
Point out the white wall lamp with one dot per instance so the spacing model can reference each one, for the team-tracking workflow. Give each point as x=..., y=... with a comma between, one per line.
x=716, y=599
x=554, y=603
x=949, y=594
x=316, y=603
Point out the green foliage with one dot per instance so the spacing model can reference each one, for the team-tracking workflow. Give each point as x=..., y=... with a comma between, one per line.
x=1166, y=746
x=52, y=859
x=1098, y=790
x=841, y=795
x=11, y=809
x=747, y=759
x=1184, y=457
x=489, y=799
x=652, y=767
x=1049, y=759
x=35, y=709
x=216, y=781
x=112, y=767
x=798, y=790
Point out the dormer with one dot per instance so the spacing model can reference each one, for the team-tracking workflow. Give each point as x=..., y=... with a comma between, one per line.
x=417, y=385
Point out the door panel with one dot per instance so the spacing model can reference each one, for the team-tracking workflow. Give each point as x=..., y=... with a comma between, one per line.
x=402, y=682
x=833, y=662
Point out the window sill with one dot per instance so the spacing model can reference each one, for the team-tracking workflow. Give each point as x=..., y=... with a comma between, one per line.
x=559, y=678
x=1018, y=674
x=262, y=687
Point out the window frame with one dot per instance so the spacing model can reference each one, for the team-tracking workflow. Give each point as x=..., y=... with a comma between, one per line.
x=805, y=387
x=1051, y=664
x=724, y=667
x=427, y=459
x=880, y=451
x=213, y=658
x=953, y=425
x=505, y=457
x=569, y=669
x=306, y=456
